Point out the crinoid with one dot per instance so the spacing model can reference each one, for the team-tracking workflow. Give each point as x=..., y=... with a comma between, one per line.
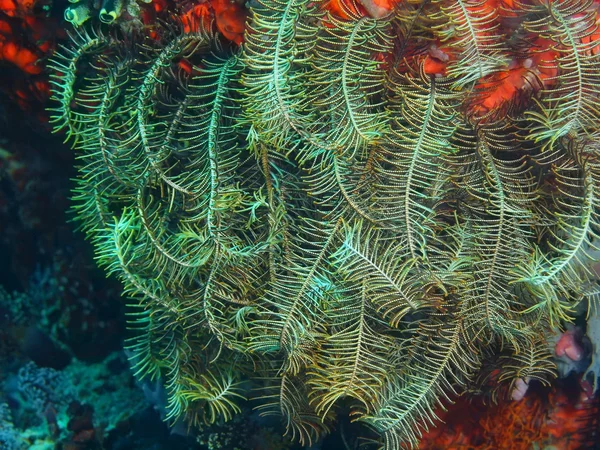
x=346, y=210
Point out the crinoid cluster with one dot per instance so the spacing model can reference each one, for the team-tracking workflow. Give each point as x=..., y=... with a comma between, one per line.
x=352, y=213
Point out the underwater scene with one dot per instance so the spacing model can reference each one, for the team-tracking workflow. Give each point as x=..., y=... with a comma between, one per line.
x=299, y=225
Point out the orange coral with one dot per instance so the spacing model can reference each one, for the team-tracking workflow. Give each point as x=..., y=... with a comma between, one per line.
x=229, y=16
x=378, y=8
x=543, y=419
x=501, y=93
x=17, y=8
x=26, y=39
x=437, y=59
x=343, y=9
x=198, y=16
x=23, y=58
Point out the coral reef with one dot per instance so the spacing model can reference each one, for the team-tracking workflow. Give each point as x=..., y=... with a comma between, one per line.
x=82, y=403
x=10, y=438
x=555, y=418
x=227, y=16
x=45, y=390
x=27, y=37
x=365, y=208
x=99, y=406
x=108, y=11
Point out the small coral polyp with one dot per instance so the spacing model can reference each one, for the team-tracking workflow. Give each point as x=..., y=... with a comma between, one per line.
x=351, y=210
